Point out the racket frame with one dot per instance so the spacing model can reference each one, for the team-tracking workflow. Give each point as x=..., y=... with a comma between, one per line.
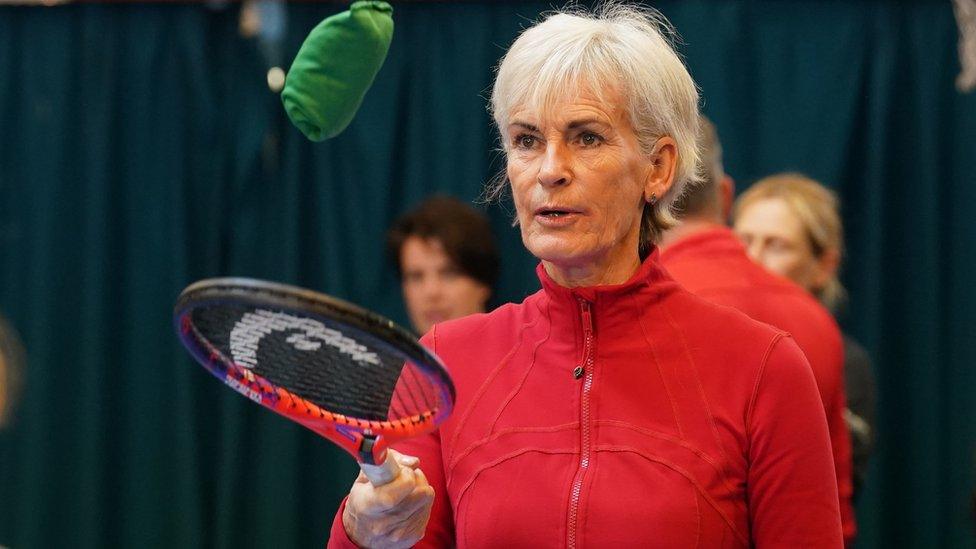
x=366, y=440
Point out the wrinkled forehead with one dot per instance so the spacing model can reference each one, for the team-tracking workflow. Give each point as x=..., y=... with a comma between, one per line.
x=543, y=104
x=771, y=216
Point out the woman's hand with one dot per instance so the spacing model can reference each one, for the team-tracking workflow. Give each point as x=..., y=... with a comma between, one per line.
x=391, y=515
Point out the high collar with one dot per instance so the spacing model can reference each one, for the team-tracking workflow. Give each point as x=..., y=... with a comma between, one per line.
x=716, y=240
x=611, y=302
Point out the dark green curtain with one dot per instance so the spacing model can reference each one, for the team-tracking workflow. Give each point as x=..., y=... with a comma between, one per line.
x=140, y=149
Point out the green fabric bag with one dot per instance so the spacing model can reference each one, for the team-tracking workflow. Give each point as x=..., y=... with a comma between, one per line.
x=334, y=68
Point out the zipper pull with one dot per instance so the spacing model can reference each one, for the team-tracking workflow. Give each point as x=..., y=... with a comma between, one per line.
x=587, y=317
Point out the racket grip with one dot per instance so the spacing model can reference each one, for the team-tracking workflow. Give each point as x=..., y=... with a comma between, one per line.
x=384, y=473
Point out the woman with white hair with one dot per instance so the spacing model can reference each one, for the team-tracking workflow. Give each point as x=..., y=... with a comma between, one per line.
x=611, y=408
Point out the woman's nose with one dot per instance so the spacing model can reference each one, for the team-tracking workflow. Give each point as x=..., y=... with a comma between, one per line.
x=755, y=250
x=432, y=287
x=555, y=166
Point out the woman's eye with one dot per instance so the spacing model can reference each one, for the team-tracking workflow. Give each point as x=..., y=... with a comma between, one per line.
x=450, y=273
x=779, y=245
x=524, y=141
x=589, y=139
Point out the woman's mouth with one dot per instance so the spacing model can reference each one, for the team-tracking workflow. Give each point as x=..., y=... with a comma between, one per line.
x=556, y=216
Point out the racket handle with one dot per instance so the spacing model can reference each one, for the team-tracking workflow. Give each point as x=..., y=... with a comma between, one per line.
x=384, y=473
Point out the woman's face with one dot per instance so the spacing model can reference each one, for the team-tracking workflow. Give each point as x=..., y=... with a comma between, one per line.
x=434, y=288
x=580, y=181
x=775, y=238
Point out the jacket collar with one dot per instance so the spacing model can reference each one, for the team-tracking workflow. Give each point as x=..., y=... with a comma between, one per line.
x=611, y=303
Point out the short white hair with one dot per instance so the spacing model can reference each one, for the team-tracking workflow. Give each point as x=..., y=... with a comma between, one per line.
x=617, y=47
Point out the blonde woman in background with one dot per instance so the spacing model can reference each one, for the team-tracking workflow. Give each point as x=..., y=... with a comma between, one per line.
x=791, y=224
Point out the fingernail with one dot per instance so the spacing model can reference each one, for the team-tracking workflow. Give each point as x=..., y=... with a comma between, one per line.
x=409, y=461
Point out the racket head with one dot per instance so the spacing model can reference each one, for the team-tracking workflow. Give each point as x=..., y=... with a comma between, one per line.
x=346, y=373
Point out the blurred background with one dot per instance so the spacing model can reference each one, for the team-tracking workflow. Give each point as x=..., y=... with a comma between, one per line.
x=142, y=147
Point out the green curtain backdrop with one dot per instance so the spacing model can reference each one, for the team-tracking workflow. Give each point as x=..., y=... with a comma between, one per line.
x=140, y=149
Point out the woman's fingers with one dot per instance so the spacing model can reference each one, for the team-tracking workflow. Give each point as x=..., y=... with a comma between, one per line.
x=402, y=459
x=411, y=529
x=407, y=461
x=391, y=515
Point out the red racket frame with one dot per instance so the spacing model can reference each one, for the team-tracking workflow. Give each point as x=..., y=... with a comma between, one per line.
x=366, y=440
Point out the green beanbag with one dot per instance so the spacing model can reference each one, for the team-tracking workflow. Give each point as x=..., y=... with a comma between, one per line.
x=334, y=68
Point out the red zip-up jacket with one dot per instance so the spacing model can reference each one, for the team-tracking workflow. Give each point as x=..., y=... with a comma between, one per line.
x=713, y=264
x=635, y=415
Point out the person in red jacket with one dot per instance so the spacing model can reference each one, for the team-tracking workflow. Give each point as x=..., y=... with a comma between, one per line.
x=706, y=257
x=612, y=408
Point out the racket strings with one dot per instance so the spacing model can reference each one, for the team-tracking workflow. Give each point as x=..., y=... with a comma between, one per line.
x=413, y=392
x=339, y=371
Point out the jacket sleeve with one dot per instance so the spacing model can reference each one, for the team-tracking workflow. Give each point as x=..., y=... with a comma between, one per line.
x=338, y=538
x=440, y=528
x=792, y=485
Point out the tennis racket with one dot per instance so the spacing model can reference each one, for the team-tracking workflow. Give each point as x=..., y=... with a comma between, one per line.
x=350, y=375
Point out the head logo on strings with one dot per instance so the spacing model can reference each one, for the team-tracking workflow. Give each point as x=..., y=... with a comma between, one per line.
x=309, y=336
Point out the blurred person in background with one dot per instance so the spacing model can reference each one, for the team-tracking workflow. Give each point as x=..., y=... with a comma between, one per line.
x=447, y=261
x=706, y=257
x=11, y=365
x=791, y=224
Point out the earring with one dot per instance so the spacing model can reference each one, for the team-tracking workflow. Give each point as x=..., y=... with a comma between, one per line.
x=653, y=200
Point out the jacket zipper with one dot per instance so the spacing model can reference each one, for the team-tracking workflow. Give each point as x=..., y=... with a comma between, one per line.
x=588, y=359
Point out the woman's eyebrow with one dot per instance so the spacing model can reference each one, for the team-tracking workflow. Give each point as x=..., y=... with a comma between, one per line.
x=586, y=122
x=524, y=125
x=575, y=124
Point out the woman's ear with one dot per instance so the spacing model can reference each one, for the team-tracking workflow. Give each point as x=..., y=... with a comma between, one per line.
x=660, y=175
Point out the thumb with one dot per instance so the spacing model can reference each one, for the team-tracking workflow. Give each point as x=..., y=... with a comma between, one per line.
x=390, y=495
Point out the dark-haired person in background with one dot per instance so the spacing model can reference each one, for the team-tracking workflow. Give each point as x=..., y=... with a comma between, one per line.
x=706, y=257
x=446, y=258
x=791, y=225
